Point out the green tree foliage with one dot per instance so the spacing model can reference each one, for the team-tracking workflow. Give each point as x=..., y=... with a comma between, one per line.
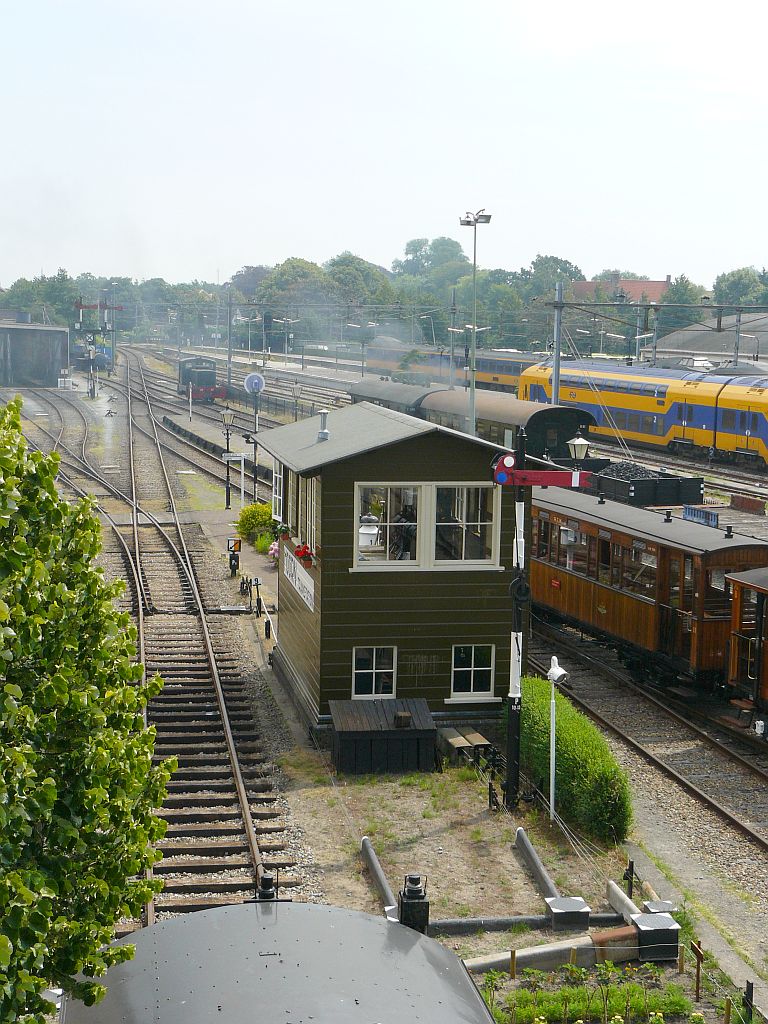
x=248, y=280
x=741, y=287
x=77, y=783
x=627, y=275
x=590, y=787
x=358, y=281
x=684, y=292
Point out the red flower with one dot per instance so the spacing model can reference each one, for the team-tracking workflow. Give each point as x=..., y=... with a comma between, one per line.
x=303, y=551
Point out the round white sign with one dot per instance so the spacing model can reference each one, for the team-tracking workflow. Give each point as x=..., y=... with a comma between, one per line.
x=254, y=383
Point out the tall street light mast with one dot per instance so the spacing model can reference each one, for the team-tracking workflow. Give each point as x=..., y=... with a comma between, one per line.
x=471, y=220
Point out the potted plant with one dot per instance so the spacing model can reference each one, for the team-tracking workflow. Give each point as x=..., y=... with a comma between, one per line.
x=284, y=531
x=304, y=553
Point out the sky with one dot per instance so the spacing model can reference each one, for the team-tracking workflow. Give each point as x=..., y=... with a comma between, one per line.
x=184, y=140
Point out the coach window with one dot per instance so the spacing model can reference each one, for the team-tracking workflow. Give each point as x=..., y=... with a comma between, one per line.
x=542, y=551
x=729, y=419
x=616, y=565
x=579, y=554
x=592, y=557
x=639, y=575
x=717, y=593
x=604, y=561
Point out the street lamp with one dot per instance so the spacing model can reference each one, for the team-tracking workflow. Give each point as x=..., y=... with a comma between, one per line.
x=296, y=389
x=578, y=446
x=227, y=418
x=471, y=220
x=427, y=316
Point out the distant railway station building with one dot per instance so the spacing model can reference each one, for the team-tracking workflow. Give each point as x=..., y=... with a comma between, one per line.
x=395, y=564
x=32, y=355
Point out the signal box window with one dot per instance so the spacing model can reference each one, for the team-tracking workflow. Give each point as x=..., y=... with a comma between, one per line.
x=373, y=672
x=464, y=524
x=394, y=512
x=472, y=670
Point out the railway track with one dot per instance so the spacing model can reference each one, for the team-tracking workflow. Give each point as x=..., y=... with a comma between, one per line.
x=224, y=826
x=705, y=765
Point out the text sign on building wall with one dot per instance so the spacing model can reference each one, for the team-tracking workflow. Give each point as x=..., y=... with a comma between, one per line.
x=299, y=579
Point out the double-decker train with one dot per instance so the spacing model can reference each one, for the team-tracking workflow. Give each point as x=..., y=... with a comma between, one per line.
x=496, y=369
x=197, y=376
x=723, y=415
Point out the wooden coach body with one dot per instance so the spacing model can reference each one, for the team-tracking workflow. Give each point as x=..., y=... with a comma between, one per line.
x=656, y=584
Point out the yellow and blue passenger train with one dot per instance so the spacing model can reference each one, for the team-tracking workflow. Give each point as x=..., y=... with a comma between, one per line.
x=678, y=410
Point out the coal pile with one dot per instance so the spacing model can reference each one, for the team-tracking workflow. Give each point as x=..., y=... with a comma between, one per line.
x=630, y=471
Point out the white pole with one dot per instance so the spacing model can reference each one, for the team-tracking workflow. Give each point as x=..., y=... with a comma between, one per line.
x=552, y=715
x=518, y=557
x=242, y=482
x=190, y=400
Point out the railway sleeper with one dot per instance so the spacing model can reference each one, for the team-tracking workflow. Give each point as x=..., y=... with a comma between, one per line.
x=179, y=815
x=214, y=786
x=209, y=760
x=218, y=774
x=195, y=828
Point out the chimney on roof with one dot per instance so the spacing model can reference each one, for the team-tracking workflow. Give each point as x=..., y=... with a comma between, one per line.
x=323, y=433
x=669, y=279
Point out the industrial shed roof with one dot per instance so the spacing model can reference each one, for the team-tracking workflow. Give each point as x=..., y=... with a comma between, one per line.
x=354, y=430
x=641, y=522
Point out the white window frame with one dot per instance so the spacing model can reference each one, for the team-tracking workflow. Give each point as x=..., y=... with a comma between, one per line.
x=376, y=696
x=425, y=560
x=311, y=507
x=277, y=491
x=474, y=696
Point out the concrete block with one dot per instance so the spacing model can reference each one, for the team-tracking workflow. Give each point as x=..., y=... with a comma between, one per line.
x=452, y=744
x=568, y=912
x=658, y=906
x=620, y=902
x=658, y=936
x=542, y=958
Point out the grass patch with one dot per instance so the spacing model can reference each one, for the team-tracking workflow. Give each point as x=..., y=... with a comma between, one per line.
x=302, y=765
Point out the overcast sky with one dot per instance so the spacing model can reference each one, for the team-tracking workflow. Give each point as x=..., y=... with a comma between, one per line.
x=186, y=139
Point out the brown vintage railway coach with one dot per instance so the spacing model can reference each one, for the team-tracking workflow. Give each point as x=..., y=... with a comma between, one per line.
x=748, y=664
x=656, y=584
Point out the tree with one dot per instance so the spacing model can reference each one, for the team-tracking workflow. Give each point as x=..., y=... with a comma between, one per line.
x=609, y=276
x=77, y=784
x=738, y=288
x=248, y=279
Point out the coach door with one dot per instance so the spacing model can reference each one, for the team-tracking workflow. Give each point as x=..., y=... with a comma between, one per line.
x=747, y=427
x=676, y=606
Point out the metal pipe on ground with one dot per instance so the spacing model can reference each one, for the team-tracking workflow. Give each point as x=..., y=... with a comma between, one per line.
x=618, y=945
x=466, y=925
x=620, y=902
x=379, y=878
x=534, y=864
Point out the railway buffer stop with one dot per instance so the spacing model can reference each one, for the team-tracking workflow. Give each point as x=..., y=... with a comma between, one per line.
x=273, y=962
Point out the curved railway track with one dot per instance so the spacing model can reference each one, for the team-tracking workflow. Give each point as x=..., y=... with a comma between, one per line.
x=223, y=827
x=705, y=765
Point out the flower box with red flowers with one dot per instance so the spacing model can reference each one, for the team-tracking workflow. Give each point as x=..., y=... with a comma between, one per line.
x=304, y=553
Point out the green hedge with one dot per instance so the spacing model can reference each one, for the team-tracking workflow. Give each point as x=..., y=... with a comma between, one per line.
x=590, y=788
x=254, y=520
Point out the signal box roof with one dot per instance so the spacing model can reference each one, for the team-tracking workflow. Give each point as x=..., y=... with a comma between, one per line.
x=641, y=523
x=271, y=963
x=354, y=430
